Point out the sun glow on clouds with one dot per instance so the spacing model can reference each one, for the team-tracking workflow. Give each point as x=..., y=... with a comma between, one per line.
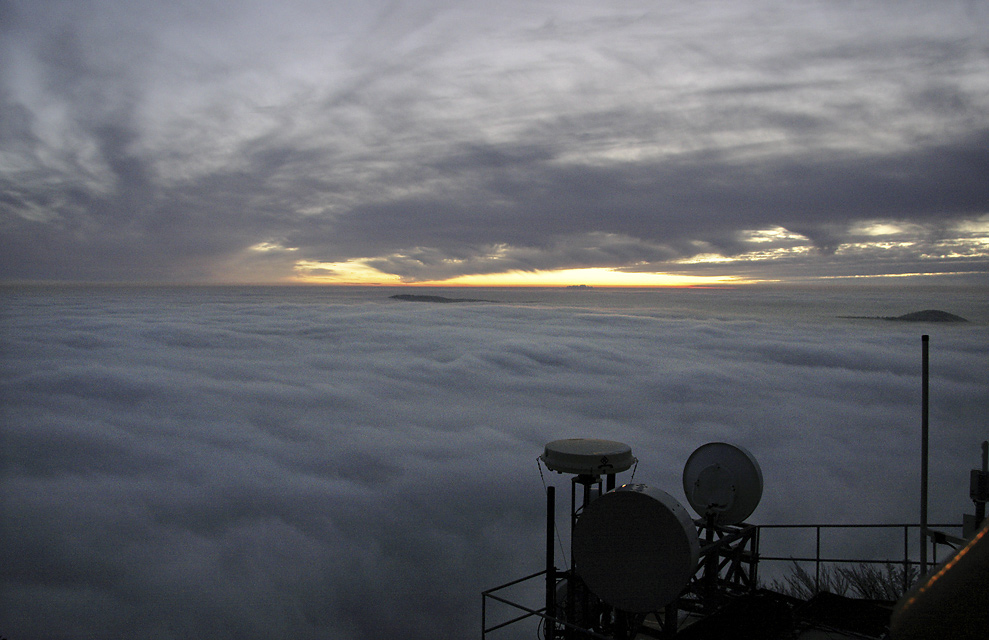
x=595, y=276
x=350, y=272
x=765, y=246
x=267, y=247
x=775, y=234
x=883, y=228
x=967, y=239
x=358, y=273
x=874, y=238
x=871, y=238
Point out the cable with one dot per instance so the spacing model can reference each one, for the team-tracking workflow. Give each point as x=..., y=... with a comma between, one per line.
x=566, y=564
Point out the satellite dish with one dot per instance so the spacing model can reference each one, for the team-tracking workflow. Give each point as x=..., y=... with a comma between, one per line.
x=636, y=548
x=723, y=480
x=587, y=456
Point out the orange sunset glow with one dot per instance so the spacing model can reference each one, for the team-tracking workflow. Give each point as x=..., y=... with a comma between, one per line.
x=357, y=273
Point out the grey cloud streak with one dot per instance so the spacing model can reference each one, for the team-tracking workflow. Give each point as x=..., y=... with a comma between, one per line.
x=666, y=206
x=143, y=142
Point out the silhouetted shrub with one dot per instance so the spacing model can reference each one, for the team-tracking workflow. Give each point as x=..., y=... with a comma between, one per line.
x=867, y=581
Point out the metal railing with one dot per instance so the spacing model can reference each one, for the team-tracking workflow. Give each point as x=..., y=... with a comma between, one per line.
x=528, y=612
x=907, y=560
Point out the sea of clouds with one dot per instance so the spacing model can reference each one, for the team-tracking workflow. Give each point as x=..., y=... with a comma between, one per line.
x=181, y=463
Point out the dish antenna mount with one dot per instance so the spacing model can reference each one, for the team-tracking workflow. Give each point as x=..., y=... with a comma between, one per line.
x=636, y=550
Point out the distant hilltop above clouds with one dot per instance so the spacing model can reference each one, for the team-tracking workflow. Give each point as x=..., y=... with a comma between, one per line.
x=927, y=315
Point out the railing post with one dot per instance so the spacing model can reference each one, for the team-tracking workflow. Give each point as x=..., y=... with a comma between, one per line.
x=906, y=558
x=817, y=563
x=754, y=570
x=979, y=499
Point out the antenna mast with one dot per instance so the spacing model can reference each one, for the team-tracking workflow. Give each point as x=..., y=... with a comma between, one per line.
x=924, y=402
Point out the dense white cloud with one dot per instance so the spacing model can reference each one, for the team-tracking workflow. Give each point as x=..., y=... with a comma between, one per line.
x=243, y=464
x=141, y=141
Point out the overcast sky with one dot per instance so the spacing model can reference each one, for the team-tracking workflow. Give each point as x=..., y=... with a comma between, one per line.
x=424, y=140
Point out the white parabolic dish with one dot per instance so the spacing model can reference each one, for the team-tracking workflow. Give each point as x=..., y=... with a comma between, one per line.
x=724, y=480
x=636, y=548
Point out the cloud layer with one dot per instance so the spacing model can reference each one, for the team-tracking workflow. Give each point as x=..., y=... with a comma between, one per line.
x=241, y=464
x=219, y=141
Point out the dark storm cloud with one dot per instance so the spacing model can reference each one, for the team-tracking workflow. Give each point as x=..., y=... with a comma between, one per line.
x=663, y=206
x=151, y=142
x=190, y=464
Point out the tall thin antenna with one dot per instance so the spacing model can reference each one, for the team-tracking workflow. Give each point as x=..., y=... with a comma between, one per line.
x=924, y=398
x=550, y=626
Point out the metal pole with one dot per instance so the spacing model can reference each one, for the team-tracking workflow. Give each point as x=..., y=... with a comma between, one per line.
x=754, y=572
x=548, y=625
x=924, y=399
x=710, y=563
x=571, y=602
x=817, y=563
x=906, y=558
x=671, y=620
x=573, y=516
x=980, y=506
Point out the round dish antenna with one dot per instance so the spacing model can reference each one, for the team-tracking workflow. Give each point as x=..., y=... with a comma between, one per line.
x=587, y=456
x=636, y=548
x=722, y=481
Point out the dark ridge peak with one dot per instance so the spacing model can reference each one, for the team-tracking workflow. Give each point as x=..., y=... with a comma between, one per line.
x=930, y=315
x=927, y=315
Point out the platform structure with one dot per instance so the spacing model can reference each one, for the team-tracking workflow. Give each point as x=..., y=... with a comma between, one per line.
x=636, y=551
x=642, y=568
